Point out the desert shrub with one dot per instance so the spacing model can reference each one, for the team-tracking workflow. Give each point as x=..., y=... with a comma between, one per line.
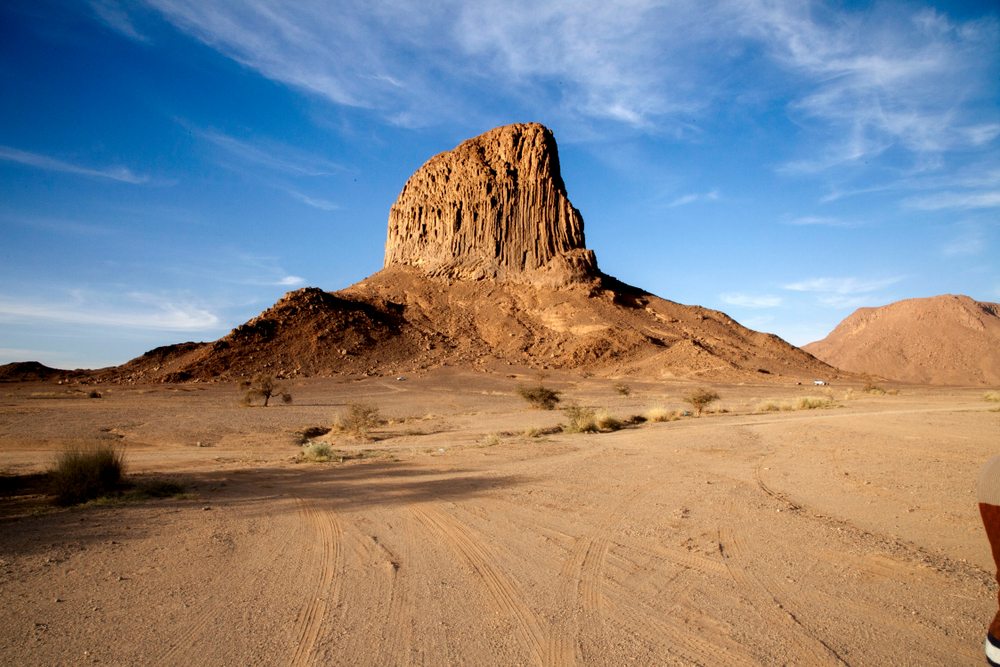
x=262, y=386
x=606, y=421
x=700, y=398
x=809, y=402
x=316, y=451
x=658, y=414
x=622, y=389
x=93, y=393
x=532, y=432
x=80, y=475
x=581, y=420
x=871, y=388
x=359, y=418
x=540, y=397
x=774, y=406
x=492, y=440
x=992, y=396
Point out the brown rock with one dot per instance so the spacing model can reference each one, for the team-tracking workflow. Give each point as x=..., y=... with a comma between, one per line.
x=944, y=340
x=494, y=207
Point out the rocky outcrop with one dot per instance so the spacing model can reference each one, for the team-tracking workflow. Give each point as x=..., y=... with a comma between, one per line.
x=495, y=207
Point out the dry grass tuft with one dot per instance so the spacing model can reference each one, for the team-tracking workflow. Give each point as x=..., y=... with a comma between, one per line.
x=659, y=414
x=606, y=421
x=621, y=388
x=992, y=396
x=492, y=440
x=80, y=475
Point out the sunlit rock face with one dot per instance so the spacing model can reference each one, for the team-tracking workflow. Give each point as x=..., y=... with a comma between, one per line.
x=494, y=208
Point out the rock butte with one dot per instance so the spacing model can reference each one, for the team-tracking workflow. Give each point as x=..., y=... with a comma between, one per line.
x=494, y=207
x=486, y=267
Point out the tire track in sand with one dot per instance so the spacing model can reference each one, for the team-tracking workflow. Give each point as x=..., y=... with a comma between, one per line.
x=733, y=541
x=528, y=628
x=326, y=590
x=944, y=648
x=580, y=581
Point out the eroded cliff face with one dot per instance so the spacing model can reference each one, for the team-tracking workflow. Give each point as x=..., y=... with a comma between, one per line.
x=496, y=208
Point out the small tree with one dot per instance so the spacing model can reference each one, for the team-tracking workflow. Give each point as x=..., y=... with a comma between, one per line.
x=700, y=398
x=263, y=386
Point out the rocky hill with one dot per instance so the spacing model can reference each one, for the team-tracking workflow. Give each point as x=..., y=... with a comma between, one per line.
x=486, y=266
x=943, y=340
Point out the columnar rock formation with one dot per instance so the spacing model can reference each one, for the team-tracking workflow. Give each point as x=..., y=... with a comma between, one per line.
x=485, y=267
x=494, y=207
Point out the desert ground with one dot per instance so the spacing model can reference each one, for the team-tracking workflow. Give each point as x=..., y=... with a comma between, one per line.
x=842, y=535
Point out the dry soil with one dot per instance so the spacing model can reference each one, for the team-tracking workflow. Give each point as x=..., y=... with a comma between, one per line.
x=842, y=535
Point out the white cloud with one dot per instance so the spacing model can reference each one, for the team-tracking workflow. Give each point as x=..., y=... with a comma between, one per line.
x=860, y=79
x=315, y=202
x=691, y=198
x=135, y=310
x=290, y=281
x=51, y=164
x=959, y=200
x=842, y=285
x=114, y=16
x=748, y=301
x=884, y=77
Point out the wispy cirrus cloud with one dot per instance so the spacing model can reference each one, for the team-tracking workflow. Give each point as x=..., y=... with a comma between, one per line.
x=957, y=200
x=315, y=202
x=750, y=301
x=133, y=310
x=843, y=285
x=122, y=174
x=112, y=13
x=270, y=154
x=858, y=80
x=694, y=197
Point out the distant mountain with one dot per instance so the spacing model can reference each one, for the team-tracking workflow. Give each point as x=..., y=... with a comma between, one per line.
x=28, y=371
x=941, y=340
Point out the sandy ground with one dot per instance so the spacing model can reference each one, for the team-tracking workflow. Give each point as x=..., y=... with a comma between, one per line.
x=846, y=535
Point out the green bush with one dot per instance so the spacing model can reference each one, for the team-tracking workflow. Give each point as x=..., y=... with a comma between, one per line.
x=80, y=475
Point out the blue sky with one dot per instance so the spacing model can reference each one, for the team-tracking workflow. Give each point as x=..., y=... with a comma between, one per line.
x=170, y=168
